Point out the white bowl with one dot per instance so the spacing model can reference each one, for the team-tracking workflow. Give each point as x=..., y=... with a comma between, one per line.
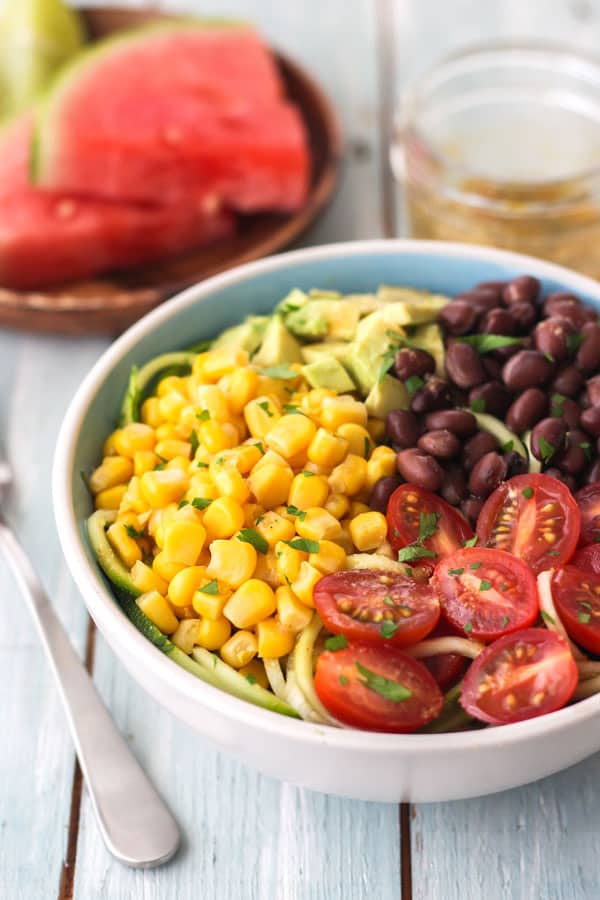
x=358, y=764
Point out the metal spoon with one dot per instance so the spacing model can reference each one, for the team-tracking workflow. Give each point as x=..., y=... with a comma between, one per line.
x=135, y=824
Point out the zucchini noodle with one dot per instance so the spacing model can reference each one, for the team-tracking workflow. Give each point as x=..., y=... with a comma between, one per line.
x=549, y=614
x=587, y=688
x=276, y=679
x=300, y=670
x=435, y=646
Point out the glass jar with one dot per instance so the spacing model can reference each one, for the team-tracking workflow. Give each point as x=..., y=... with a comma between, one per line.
x=500, y=145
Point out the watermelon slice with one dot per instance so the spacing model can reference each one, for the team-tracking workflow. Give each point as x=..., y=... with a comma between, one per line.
x=47, y=238
x=172, y=110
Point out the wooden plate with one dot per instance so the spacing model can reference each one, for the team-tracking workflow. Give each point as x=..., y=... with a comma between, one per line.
x=108, y=305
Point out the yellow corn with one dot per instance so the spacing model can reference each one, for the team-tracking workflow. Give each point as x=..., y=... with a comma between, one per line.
x=252, y=512
x=289, y=561
x=111, y=498
x=178, y=463
x=171, y=405
x=187, y=634
x=359, y=439
x=112, y=471
x=290, y=435
x=146, y=580
x=318, y=524
x=170, y=449
x=150, y=412
x=165, y=568
x=273, y=639
x=183, y=541
x=167, y=432
x=368, y=530
x=266, y=569
x=338, y=411
x=217, y=436
x=132, y=499
x=240, y=649
x=230, y=483
x=245, y=457
x=253, y=601
x=312, y=403
x=242, y=388
x=144, y=461
x=350, y=476
x=211, y=403
x=109, y=448
x=356, y=508
x=223, y=518
x=381, y=464
x=134, y=437
x=216, y=363
x=161, y=487
x=202, y=485
x=158, y=611
x=231, y=561
x=185, y=583
x=308, y=490
x=171, y=383
x=210, y=606
x=338, y=505
x=292, y=614
x=327, y=449
x=260, y=416
x=213, y=634
x=274, y=528
x=270, y=483
x=345, y=538
x=124, y=545
x=304, y=584
x=255, y=673
x=376, y=429
x=329, y=558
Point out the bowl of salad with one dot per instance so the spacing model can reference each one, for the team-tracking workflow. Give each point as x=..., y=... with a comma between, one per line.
x=339, y=510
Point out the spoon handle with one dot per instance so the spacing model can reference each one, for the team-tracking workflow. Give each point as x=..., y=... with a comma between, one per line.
x=136, y=825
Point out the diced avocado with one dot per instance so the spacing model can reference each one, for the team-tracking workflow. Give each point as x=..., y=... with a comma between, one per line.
x=141, y=381
x=312, y=352
x=367, y=303
x=248, y=335
x=420, y=306
x=429, y=337
x=292, y=301
x=309, y=322
x=366, y=353
x=386, y=395
x=278, y=346
x=505, y=437
x=323, y=318
x=535, y=465
x=327, y=372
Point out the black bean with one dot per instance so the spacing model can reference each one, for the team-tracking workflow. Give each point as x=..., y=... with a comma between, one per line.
x=481, y=299
x=454, y=485
x=593, y=473
x=574, y=458
x=435, y=394
x=588, y=355
x=382, y=491
x=568, y=307
x=526, y=410
x=561, y=476
x=497, y=286
x=458, y=421
x=593, y=391
x=420, y=468
x=493, y=366
x=566, y=409
x=498, y=321
x=527, y=369
x=441, y=443
x=470, y=508
x=556, y=298
x=402, y=428
x=476, y=447
x=410, y=361
x=590, y=420
x=524, y=289
x=487, y=474
x=568, y=381
x=551, y=336
x=458, y=317
x=492, y=397
x=548, y=438
x=516, y=464
x=464, y=366
x=524, y=315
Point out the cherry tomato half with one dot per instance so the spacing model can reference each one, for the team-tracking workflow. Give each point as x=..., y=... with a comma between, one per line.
x=576, y=595
x=377, y=688
x=521, y=675
x=413, y=512
x=446, y=668
x=587, y=558
x=376, y=606
x=534, y=517
x=588, y=501
x=486, y=593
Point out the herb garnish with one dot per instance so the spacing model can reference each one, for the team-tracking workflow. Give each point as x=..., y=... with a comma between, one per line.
x=337, y=642
x=388, y=629
x=195, y=443
x=468, y=626
x=478, y=404
x=428, y=523
x=547, y=617
x=292, y=409
x=303, y=544
x=133, y=532
x=507, y=447
x=557, y=402
x=388, y=601
x=504, y=622
x=211, y=588
x=201, y=502
x=472, y=542
x=343, y=680
x=294, y=511
x=260, y=446
x=527, y=493
x=264, y=405
x=574, y=342
x=413, y=383
x=583, y=617
x=204, y=416
x=485, y=585
x=414, y=552
x=391, y=690
x=367, y=447
x=250, y=678
x=486, y=343
x=546, y=449
x=307, y=474
x=455, y=571
x=475, y=565
x=251, y=536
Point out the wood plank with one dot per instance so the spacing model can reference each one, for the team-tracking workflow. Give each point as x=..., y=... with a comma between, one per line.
x=37, y=761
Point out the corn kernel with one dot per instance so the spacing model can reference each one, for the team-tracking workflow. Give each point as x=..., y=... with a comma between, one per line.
x=109, y=448
x=134, y=437
x=144, y=461
x=231, y=484
x=376, y=428
x=316, y=469
x=212, y=404
x=337, y=411
x=112, y=471
x=306, y=491
x=356, y=508
x=171, y=383
x=368, y=530
x=185, y=583
x=213, y=634
x=146, y=580
x=253, y=601
x=290, y=435
x=318, y=525
x=329, y=558
x=273, y=639
x=345, y=538
x=245, y=457
x=292, y=614
x=111, y=498
x=240, y=649
x=218, y=436
x=132, y=499
x=312, y=403
x=289, y=561
x=210, y=606
x=171, y=449
x=223, y=518
x=165, y=568
x=359, y=439
x=275, y=528
x=180, y=463
x=231, y=561
x=255, y=673
x=150, y=412
x=271, y=457
x=338, y=505
x=242, y=388
x=304, y=584
x=183, y=541
x=202, y=485
x=171, y=405
x=327, y=449
x=217, y=363
x=350, y=476
x=380, y=465
x=156, y=608
x=123, y=545
x=270, y=483
x=266, y=569
x=187, y=634
x=260, y=416
x=161, y=487
x=167, y=432
x=252, y=512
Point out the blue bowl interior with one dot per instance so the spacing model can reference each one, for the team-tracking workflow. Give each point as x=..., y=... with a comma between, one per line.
x=360, y=273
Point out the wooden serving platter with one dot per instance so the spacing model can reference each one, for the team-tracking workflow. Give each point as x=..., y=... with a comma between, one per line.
x=109, y=304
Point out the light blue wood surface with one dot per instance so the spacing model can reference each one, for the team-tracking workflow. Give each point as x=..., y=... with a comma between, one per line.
x=248, y=837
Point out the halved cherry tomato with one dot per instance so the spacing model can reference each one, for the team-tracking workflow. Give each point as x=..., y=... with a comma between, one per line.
x=446, y=668
x=377, y=606
x=377, y=688
x=486, y=593
x=576, y=595
x=413, y=512
x=588, y=501
x=521, y=675
x=534, y=517
x=587, y=558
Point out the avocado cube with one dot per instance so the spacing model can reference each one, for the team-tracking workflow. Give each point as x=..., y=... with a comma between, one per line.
x=328, y=372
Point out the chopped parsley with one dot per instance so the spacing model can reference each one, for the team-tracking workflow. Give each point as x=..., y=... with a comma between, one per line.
x=195, y=443
x=549, y=357
x=527, y=493
x=472, y=542
x=388, y=600
x=201, y=502
x=282, y=371
x=308, y=474
x=183, y=503
x=303, y=544
x=553, y=552
x=292, y=409
x=133, y=532
x=337, y=642
x=408, y=571
x=475, y=565
x=211, y=588
x=264, y=405
x=391, y=690
x=220, y=460
x=294, y=511
x=546, y=449
x=250, y=678
x=428, y=523
x=201, y=465
x=508, y=446
x=413, y=384
x=388, y=629
x=547, y=617
x=260, y=446
x=343, y=680
x=504, y=622
x=204, y=416
x=367, y=447
x=478, y=404
x=486, y=343
x=485, y=585
x=259, y=520
x=587, y=449
x=414, y=552
x=251, y=536
x=583, y=617
x=574, y=342
x=468, y=626
x=503, y=586
x=455, y=571
x=557, y=403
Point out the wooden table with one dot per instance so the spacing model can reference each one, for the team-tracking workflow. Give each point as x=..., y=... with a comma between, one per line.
x=248, y=837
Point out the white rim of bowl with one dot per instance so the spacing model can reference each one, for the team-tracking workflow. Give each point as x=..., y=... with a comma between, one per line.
x=103, y=606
